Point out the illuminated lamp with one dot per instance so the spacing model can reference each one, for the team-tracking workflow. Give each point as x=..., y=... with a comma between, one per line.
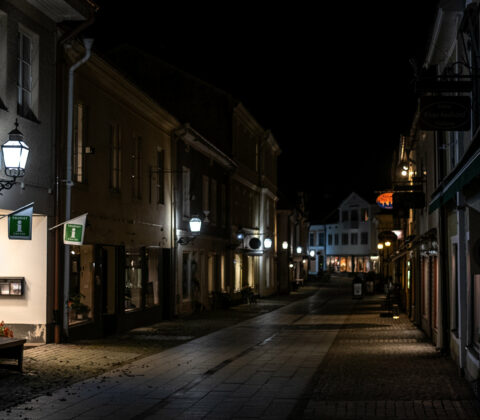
x=299, y=249
x=387, y=243
x=380, y=246
x=312, y=253
x=267, y=243
x=15, y=154
x=284, y=245
x=195, y=225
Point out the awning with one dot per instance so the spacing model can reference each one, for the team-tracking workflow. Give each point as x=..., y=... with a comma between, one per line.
x=458, y=180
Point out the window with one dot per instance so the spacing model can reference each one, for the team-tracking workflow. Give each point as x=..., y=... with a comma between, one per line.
x=336, y=239
x=345, y=216
x=213, y=202
x=364, y=238
x=3, y=57
x=364, y=215
x=160, y=171
x=223, y=204
x=312, y=239
x=79, y=143
x=137, y=168
x=354, y=238
x=476, y=310
x=115, y=158
x=330, y=239
x=354, y=219
x=205, y=193
x=186, y=191
x=133, y=279
x=344, y=238
x=321, y=239
x=25, y=76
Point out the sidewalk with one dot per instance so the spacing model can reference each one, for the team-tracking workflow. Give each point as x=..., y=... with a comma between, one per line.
x=379, y=367
x=53, y=366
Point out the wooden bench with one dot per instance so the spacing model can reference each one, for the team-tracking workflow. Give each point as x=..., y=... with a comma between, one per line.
x=12, y=348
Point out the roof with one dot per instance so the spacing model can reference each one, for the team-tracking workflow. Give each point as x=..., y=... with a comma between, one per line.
x=206, y=108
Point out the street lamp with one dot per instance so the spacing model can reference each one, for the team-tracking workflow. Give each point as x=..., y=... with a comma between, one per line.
x=284, y=245
x=267, y=243
x=15, y=154
x=195, y=224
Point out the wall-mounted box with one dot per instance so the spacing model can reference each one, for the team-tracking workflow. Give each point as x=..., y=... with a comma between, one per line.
x=12, y=286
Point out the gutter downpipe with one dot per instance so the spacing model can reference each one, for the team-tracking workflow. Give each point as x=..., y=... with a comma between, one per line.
x=87, y=42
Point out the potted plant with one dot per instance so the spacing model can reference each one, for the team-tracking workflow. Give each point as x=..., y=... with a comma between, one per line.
x=5, y=331
x=78, y=308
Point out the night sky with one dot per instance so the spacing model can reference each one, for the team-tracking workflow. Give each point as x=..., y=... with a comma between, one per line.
x=332, y=81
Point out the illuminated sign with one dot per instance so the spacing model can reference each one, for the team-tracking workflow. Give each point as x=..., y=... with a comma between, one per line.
x=385, y=200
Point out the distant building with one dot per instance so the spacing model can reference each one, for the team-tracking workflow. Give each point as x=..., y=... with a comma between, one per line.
x=349, y=245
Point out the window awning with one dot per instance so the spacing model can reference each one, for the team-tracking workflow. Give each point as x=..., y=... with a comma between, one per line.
x=458, y=179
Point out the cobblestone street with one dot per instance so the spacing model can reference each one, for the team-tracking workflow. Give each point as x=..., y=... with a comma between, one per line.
x=326, y=356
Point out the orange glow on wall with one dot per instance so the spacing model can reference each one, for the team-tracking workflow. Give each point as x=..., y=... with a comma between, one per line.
x=385, y=200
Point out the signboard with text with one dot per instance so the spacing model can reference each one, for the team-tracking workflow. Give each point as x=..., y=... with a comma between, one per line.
x=445, y=113
x=20, y=224
x=74, y=230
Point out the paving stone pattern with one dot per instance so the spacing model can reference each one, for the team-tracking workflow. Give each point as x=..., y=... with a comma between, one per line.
x=325, y=357
x=379, y=367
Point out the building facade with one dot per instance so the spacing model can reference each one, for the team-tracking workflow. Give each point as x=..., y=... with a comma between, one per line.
x=30, y=35
x=351, y=243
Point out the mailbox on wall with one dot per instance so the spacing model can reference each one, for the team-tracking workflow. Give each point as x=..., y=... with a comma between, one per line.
x=12, y=286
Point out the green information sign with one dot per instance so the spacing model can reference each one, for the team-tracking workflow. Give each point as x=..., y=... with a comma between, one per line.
x=73, y=233
x=74, y=230
x=20, y=224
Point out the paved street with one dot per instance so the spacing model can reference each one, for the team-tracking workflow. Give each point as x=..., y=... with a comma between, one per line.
x=327, y=356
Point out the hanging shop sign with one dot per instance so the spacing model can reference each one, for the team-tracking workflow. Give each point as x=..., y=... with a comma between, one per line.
x=385, y=200
x=20, y=223
x=445, y=113
x=409, y=200
x=74, y=230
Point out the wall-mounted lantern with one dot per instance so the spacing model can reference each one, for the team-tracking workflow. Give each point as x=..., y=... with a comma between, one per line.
x=15, y=154
x=195, y=225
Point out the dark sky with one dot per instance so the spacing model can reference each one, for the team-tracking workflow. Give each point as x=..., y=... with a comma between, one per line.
x=332, y=81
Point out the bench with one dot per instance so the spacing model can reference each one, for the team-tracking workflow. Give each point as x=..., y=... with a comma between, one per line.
x=12, y=348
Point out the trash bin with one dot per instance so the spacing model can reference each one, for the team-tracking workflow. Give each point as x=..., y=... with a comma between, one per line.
x=357, y=288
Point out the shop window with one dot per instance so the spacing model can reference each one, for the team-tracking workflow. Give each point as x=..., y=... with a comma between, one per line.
x=238, y=272
x=152, y=292
x=81, y=300
x=133, y=280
